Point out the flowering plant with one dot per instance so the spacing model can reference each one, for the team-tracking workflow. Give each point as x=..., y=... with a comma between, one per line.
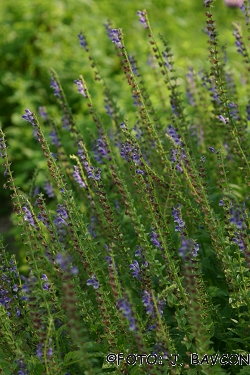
x=141, y=243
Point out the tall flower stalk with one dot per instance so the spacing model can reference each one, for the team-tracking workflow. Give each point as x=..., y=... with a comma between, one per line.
x=136, y=231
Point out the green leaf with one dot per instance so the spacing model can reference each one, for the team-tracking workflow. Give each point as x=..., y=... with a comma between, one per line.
x=72, y=357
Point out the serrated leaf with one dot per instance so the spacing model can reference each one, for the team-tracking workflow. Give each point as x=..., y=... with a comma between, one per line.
x=34, y=366
x=72, y=357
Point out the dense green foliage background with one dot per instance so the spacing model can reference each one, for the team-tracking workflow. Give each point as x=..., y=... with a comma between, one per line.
x=174, y=196
x=39, y=34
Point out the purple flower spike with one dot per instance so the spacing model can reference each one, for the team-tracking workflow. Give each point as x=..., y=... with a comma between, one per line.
x=65, y=122
x=81, y=88
x=55, y=86
x=77, y=177
x=64, y=262
x=89, y=170
x=62, y=215
x=133, y=65
x=138, y=251
x=43, y=113
x=222, y=119
x=188, y=248
x=142, y=18
x=237, y=217
x=115, y=37
x=81, y=153
x=167, y=63
x=212, y=149
x=22, y=367
x=28, y=217
x=240, y=243
x=149, y=305
x=46, y=286
x=43, y=218
x=174, y=155
x=139, y=171
x=207, y=3
x=29, y=116
x=109, y=260
x=178, y=167
x=154, y=239
x=108, y=107
x=125, y=308
x=233, y=110
x=94, y=173
x=18, y=312
x=83, y=42
x=138, y=132
x=49, y=353
x=123, y=126
x=2, y=147
x=102, y=148
x=161, y=305
x=15, y=288
x=93, y=282
x=221, y=202
x=147, y=302
x=49, y=189
x=176, y=212
x=135, y=268
x=39, y=351
x=91, y=227
x=130, y=152
x=54, y=138
x=62, y=211
x=174, y=135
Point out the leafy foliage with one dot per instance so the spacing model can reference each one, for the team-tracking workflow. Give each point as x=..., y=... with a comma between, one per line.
x=136, y=223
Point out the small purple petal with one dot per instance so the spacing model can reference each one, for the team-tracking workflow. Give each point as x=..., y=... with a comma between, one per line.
x=93, y=282
x=142, y=18
x=81, y=88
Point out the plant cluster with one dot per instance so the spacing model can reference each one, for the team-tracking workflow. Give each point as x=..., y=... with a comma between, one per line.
x=139, y=240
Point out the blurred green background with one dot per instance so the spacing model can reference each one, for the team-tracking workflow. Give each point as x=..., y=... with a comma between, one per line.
x=39, y=34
